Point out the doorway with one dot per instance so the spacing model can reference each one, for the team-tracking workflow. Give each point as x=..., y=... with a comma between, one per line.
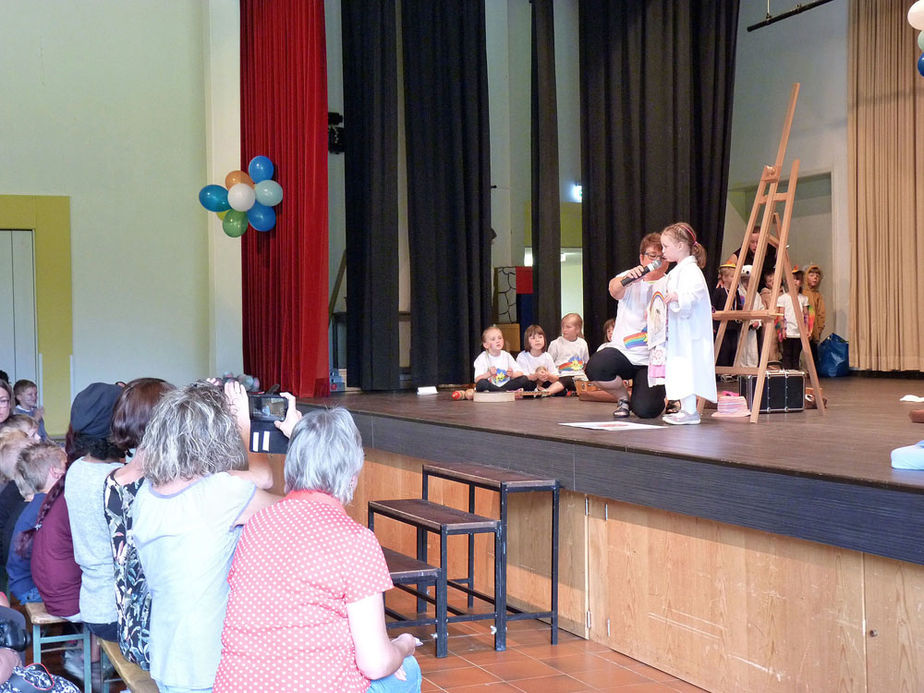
x=18, y=353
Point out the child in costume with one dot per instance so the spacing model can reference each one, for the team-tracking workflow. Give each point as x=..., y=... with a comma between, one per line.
x=690, y=367
x=790, y=341
x=813, y=277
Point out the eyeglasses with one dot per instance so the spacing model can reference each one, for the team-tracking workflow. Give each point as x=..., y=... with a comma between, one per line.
x=653, y=256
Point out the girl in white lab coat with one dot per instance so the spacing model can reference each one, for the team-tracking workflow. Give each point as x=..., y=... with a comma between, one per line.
x=690, y=368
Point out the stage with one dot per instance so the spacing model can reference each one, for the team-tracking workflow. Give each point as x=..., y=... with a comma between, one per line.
x=824, y=478
x=776, y=556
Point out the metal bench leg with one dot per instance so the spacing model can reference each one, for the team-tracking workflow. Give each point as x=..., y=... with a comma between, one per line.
x=471, y=548
x=554, y=571
x=442, y=631
x=500, y=589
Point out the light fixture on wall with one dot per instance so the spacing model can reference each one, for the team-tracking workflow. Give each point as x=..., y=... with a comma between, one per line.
x=577, y=191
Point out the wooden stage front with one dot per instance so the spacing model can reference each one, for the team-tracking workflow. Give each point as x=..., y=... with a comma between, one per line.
x=783, y=555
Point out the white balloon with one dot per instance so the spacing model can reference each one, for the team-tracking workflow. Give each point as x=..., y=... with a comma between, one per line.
x=241, y=197
x=916, y=15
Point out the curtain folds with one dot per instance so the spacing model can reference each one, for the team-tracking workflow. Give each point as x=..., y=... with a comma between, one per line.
x=657, y=84
x=371, y=159
x=546, y=194
x=885, y=131
x=284, y=117
x=448, y=180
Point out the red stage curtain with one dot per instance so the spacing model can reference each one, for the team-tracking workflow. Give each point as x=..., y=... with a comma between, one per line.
x=284, y=117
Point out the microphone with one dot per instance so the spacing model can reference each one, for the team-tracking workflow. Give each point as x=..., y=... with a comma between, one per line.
x=645, y=270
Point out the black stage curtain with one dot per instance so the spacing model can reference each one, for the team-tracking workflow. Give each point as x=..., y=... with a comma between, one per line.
x=448, y=180
x=657, y=82
x=546, y=205
x=371, y=151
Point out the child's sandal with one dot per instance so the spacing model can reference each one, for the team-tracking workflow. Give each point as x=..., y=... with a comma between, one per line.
x=622, y=410
x=673, y=406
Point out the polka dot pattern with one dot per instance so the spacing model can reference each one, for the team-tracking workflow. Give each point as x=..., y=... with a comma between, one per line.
x=297, y=566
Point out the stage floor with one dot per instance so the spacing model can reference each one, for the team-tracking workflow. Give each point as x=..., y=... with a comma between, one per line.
x=852, y=442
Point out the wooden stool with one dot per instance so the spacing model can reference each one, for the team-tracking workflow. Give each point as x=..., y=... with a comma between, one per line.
x=446, y=522
x=133, y=676
x=503, y=482
x=40, y=619
x=406, y=571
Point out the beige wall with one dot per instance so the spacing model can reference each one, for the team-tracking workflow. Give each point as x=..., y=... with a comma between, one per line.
x=105, y=103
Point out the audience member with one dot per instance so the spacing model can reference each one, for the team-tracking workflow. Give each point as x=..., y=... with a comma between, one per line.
x=91, y=421
x=133, y=601
x=187, y=520
x=25, y=393
x=306, y=608
x=39, y=467
x=6, y=399
x=12, y=502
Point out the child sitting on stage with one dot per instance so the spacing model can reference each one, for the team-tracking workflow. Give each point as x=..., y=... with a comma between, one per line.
x=495, y=369
x=790, y=340
x=608, y=331
x=690, y=368
x=537, y=364
x=570, y=352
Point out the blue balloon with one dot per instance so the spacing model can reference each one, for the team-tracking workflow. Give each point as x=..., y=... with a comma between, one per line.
x=268, y=192
x=261, y=217
x=260, y=168
x=921, y=64
x=214, y=198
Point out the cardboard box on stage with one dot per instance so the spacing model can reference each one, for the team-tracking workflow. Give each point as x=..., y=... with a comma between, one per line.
x=783, y=391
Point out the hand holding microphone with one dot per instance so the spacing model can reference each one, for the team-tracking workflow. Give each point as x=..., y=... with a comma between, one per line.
x=635, y=273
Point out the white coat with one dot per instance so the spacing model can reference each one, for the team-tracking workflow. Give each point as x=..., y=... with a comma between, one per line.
x=690, y=349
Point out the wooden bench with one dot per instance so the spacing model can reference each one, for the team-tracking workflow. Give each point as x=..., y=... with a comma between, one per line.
x=40, y=620
x=444, y=521
x=134, y=677
x=405, y=571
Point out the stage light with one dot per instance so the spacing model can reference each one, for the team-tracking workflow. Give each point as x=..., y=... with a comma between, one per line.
x=577, y=192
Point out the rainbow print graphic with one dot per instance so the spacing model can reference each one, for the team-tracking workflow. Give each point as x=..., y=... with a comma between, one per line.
x=572, y=365
x=639, y=339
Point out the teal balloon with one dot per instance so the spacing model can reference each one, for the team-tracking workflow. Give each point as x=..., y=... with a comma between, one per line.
x=214, y=198
x=269, y=192
x=260, y=168
x=261, y=217
x=235, y=223
x=921, y=40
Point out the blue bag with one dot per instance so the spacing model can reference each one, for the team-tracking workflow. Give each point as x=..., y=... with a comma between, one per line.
x=832, y=357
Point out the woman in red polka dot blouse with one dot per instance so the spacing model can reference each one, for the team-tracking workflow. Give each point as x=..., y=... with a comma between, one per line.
x=306, y=607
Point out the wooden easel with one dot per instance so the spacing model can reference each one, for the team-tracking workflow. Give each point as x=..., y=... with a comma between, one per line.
x=768, y=196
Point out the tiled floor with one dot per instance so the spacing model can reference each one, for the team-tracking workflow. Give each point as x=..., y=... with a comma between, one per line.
x=532, y=665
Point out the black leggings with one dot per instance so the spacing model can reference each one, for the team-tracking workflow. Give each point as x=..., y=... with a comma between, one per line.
x=792, y=352
x=646, y=402
x=521, y=383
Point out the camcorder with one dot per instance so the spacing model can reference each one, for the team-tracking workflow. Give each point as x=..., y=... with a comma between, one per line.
x=13, y=633
x=265, y=410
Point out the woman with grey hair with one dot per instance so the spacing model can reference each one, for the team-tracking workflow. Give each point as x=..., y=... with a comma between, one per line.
x=187, y=520
x=306, y=609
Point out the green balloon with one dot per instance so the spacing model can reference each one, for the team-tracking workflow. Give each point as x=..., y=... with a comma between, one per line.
x=234, y=223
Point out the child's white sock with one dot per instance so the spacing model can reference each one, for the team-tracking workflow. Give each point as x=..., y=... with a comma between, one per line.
x=688, y=404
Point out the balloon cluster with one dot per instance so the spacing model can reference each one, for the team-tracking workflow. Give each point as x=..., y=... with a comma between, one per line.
x=250, y=382
x=245, y=198
x=916, y=19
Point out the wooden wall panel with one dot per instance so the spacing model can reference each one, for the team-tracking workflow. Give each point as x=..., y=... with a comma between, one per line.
x=725, y=608
x=894, y=624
